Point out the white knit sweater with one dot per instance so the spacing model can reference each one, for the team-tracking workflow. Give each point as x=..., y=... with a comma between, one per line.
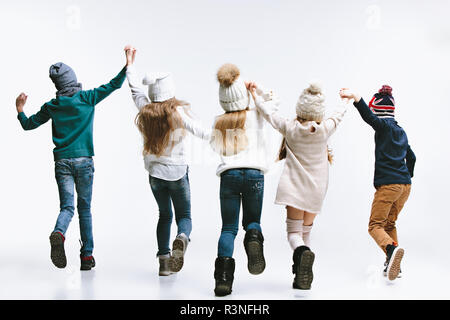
x=304, y=181
x=257, y=155
x=175, y=156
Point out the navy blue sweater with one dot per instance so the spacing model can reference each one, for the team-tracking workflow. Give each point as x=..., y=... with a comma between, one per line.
x=394, y=159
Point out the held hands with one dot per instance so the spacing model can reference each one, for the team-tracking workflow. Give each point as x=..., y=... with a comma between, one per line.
x=130, y=54
x=346, y=93
x=20, y=102
x=251, y=86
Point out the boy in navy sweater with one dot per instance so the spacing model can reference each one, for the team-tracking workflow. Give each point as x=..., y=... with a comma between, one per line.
x=394, y=168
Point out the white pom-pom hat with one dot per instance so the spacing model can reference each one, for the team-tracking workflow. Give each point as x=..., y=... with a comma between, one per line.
x=310, y=104
x=160, y=86
x=233, y=95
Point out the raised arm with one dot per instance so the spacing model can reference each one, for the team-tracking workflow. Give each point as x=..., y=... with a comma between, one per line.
x=139, y=97
x=267, y=105
x=193, y=126
x=366, y=114
x=332, y=122
x=410, y=161
x=41, y=117
x=95, y=96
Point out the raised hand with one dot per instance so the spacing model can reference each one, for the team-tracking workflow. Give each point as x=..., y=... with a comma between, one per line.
x=346, y=93
x=130, y=54
x=20, y=102
x=251, y=86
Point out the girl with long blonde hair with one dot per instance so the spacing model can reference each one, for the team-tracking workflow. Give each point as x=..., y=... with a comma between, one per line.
x=239, y=141
x=164, y=122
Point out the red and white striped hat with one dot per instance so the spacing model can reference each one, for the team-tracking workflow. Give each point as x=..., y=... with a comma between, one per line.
x=383, y=103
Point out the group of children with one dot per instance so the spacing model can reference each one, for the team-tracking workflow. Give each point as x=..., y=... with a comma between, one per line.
x=164, y=122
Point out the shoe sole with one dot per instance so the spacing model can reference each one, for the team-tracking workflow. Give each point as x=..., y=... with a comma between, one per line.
x=57, y=253
x=177, y=259
x=394, y=265
x=304, y=276
x=222, y=290
x=256, y=262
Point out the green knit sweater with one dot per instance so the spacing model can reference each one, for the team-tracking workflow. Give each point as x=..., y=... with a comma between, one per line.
x=72, y=119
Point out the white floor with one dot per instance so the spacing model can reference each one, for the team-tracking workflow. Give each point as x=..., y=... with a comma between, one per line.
x=27, y=273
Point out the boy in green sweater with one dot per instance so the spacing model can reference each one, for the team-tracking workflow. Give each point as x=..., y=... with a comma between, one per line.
x=72, y=115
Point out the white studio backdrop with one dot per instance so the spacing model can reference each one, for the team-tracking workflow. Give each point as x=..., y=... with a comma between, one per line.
x=280, y=44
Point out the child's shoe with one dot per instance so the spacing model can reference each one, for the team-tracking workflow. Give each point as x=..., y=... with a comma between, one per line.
x=253, y=243
x=394, y=256
x=224, y=276
x=179, y=247
x=164, y=269
x=57, y=253
x=385, y=270
x=302, y=268
x=87, y=263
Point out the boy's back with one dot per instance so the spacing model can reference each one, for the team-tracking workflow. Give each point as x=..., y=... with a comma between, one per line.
x=72, y=119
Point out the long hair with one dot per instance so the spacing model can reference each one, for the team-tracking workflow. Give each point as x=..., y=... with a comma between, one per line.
x=157, y=121
x=282, y=152
x=229, y=136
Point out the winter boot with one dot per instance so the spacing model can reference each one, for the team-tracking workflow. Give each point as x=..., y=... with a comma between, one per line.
x=57, y=253
x=302, y=268
x=253, y=243
x=179, y=247
x=224, y=275
x=87, y=263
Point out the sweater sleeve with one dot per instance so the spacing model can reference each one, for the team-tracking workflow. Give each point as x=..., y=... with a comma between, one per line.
x=332, y=122
x=193, y=126
x=95, y=96
x=368, y=116
x=268, y=107
x=139, y=97
x=410, y=161
x=41, y=117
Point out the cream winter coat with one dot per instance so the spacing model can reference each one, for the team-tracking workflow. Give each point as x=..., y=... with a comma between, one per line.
x=304, y=181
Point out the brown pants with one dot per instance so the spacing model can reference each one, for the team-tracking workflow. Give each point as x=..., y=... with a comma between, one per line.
x=387, y=204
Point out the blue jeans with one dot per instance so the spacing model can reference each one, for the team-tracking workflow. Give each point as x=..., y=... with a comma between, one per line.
x=165, y=193
x=78, y=173
x=236, y=186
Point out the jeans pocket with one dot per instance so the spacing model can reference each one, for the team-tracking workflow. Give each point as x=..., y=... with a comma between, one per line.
x=256, y=185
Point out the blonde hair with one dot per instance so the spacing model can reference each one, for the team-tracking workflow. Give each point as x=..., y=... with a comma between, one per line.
x=282, y=152
x=157, y=121
x=229, y=134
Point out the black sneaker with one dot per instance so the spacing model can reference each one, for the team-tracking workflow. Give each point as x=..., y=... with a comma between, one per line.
x=224, y=276
x=394, y=258
x=87, y=263
x=385, y=269
x=253, y=243
x=302, y=268
x=57, y=253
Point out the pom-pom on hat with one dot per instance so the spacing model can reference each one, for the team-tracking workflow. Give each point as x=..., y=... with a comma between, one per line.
x=233, y=94
x=310, y=104
x=383, y=103
x=160, y=86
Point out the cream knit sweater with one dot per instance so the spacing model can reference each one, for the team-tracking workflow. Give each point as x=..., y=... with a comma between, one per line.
x=258, y=153
x=175, y=156
x=304, y=180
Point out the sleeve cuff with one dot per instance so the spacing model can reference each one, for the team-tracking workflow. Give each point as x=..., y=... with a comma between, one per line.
x=21, y=116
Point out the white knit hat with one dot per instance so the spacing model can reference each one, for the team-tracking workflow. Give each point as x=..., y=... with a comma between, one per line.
x=310, y=103
x=233, y=94
x=160, y=86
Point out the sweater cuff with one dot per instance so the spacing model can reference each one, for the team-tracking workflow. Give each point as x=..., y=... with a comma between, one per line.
x=21, y=116
x=359, y=103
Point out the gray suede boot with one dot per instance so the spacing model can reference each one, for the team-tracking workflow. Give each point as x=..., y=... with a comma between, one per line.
x=179, y=247
x=164, y=269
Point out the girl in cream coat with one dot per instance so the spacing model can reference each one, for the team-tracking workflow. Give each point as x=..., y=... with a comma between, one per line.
x=304, y=181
